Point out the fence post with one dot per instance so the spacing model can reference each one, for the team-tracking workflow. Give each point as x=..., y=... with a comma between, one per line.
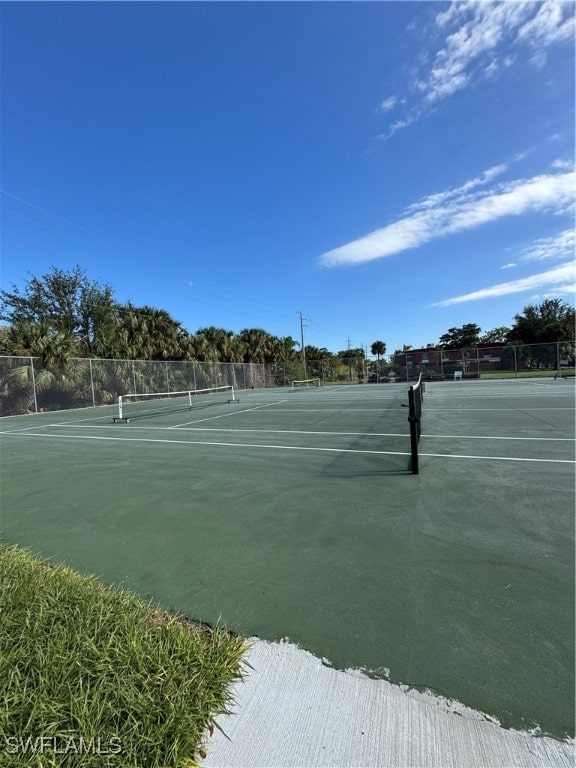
x=92, y=384
x=515, y=361
x=34, y=384
x=558, y=358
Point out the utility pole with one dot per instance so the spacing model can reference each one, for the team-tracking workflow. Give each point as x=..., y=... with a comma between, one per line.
x=349, y=362
x=302, y=349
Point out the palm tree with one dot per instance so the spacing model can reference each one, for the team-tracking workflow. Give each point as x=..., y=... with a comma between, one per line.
x=378, y=348
x=152, y=334
x=203, y=349
x=224, y=343
x=259, y=345
x=285, y=348
x=54, y=348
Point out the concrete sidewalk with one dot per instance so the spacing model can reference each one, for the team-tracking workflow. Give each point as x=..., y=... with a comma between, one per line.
x=293, y=711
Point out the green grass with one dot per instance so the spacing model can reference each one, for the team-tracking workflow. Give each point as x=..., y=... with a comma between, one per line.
x=93, y=676
x=526, y=374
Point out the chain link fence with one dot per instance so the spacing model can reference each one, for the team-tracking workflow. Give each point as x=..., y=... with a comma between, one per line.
x=29, y=386
x=485, y=361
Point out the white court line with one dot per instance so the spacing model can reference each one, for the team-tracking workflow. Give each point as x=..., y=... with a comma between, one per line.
x=33, y=426
x=497, y=458
x=224, y=415
x=504, y=410
x=284, y=447
x=242, y=429
x=327, y=409
x=108, y=416
x=427, y=409
x=317, y=432
x=203, y=442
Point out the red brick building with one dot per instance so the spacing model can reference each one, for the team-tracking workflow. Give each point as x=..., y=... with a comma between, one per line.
x=484, y=356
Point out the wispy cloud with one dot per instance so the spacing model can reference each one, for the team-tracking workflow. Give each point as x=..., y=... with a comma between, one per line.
x=553, y=23
x=479, y=41
x=560, y=246
x=560, y=290
x=511, y=265
x=561, y=280
x=458, y=193
x=388, y=104
x=562, y=165
x=457, y=210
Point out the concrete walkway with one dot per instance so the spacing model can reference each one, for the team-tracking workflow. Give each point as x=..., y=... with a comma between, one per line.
x=293, y=711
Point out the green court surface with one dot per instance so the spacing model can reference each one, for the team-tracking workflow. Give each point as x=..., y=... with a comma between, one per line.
x=294, y=515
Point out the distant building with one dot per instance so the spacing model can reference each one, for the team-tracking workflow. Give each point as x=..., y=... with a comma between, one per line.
x=488, y=355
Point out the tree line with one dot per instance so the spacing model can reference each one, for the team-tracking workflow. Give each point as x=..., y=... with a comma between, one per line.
x=64, y=314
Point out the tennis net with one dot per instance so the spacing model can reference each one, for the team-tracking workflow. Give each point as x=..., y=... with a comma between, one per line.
x=305, y=383
x=147, y=404
x=415, y=401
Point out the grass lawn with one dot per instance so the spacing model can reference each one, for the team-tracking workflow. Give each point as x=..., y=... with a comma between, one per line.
x=526, y=374
x=93, y=676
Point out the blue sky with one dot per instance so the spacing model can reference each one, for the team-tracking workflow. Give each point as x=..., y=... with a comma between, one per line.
x=389, y=169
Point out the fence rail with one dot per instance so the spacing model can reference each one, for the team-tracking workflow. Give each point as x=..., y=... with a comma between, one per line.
x=27, y=385
x=476, y=362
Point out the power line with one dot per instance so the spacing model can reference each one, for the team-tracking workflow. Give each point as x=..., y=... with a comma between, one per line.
x=48, y=213
x=45, y=226
x=38, y=245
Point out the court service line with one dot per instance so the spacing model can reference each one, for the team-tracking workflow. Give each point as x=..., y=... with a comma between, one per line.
x=34, y=426
x=497, y=458
x=316, y=432
x=224, y=415
x=509, y=409
x=202, y=442
x=243, y=429
x=327, y=409
x=283, y=447
x=371, y=434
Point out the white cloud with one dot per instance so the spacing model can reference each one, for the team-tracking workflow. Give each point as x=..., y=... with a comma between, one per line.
x=480, y=40
x=511, y=265
x=561, y=246
x=562, y=165
x=388, y=104
x=562, y=277
x=561, y=290
x=551, y=24
x=432, y=201
x=397, y=126
x=455, y=211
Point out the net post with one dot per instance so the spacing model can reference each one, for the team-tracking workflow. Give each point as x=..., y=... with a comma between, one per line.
x=415, y=399
x=413, y=421
x=120, y=416
x=233, y=398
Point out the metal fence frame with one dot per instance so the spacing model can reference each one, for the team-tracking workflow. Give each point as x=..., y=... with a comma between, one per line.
x=29, y=386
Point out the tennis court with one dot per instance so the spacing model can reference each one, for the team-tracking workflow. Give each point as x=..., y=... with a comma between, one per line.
x=295, y=514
